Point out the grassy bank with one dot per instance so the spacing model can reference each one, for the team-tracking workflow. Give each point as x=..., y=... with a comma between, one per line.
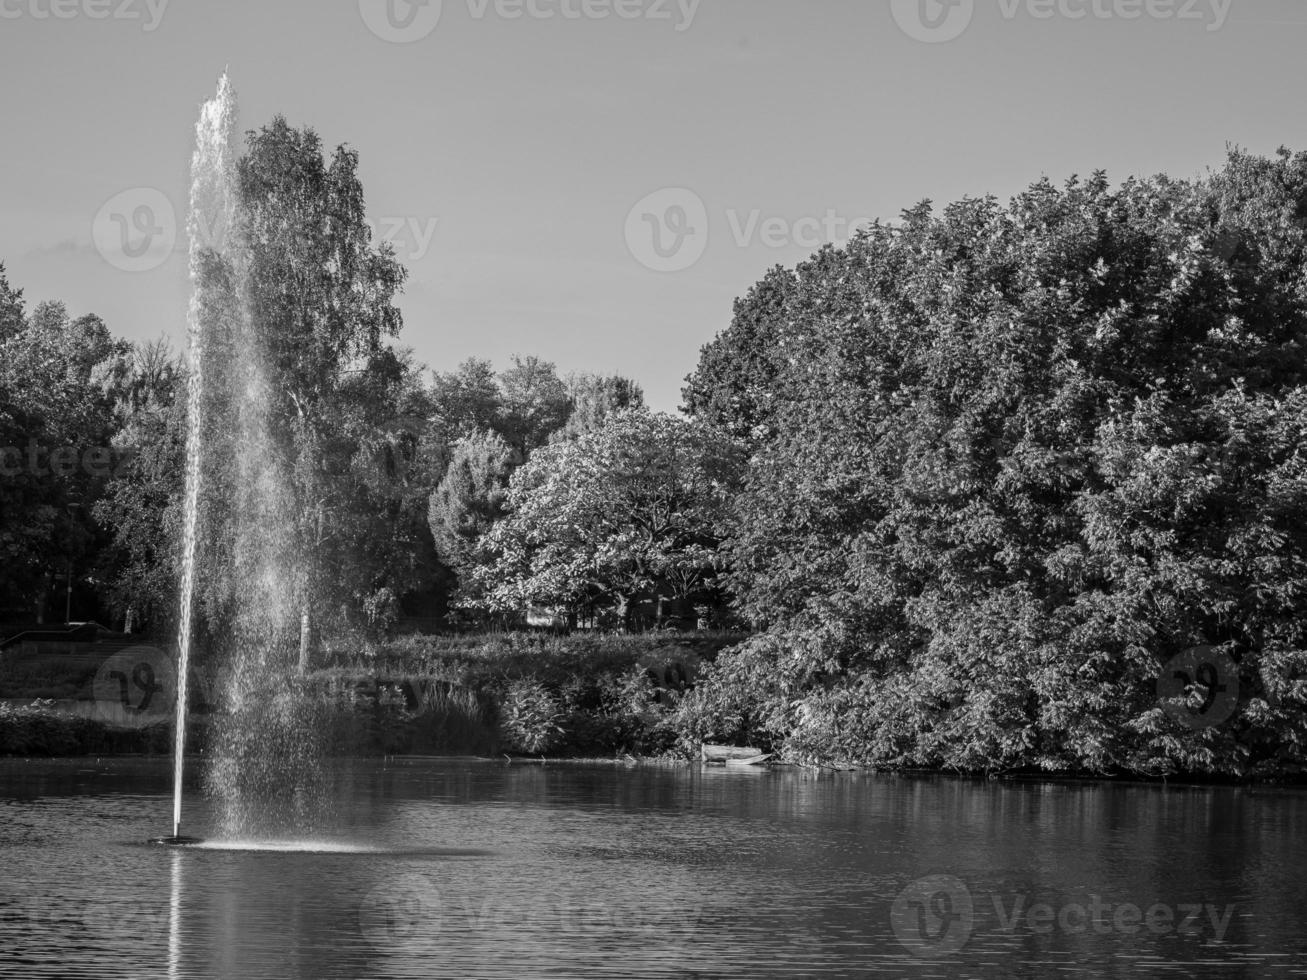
x=584, y=695
x=524, y=693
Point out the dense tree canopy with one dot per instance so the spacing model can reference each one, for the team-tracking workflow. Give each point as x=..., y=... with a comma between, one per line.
x=634, y=506
x=1017, y=459
x=470, y=498
x=63, y=383
x=593, y=398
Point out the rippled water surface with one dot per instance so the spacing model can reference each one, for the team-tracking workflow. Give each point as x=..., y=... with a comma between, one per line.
x=452, y=868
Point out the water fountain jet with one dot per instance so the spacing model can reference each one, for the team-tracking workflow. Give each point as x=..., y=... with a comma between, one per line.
x=245, y=552
x=212, y=207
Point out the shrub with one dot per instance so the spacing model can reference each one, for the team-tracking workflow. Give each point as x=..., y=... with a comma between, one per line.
x=529, y=717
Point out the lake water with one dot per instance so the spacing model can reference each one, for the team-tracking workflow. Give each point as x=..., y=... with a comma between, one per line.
x=464, y=868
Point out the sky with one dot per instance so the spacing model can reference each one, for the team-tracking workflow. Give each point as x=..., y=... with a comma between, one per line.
x=595, y=181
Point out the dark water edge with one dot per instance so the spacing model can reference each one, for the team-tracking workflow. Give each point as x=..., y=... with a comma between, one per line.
x=149, y=761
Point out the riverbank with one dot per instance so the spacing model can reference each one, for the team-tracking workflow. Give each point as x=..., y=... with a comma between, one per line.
x=531, y=694
x=615, y=699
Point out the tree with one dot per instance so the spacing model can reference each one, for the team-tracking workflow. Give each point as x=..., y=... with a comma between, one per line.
x=634, y=507
x=1019, y=458
x=593, y=398
x=533, y=404
x=140, y=566
x=298, y=307
x=12, y=311
x=470, y=498
x=58, y=387
x=733, y=386
x=467, y=400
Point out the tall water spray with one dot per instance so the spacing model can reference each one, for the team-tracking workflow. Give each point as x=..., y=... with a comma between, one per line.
x=246, y=556
x=212, y=212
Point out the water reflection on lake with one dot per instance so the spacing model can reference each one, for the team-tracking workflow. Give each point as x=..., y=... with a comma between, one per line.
x=453, y=868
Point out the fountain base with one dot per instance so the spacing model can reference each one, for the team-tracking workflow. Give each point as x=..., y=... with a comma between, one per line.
x=176, y=841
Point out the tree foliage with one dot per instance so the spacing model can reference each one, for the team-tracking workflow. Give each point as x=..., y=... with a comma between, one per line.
x=1016, y=458
x=634, y=506
x=61, y=382
x=470, y=498
x=300, y=310
x=594, y=397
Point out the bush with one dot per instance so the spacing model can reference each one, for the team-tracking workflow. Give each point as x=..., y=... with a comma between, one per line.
x=37, y=729
x=577, y=695
x=529, y=717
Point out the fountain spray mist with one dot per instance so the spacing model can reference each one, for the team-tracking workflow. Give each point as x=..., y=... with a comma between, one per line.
x=212, y=212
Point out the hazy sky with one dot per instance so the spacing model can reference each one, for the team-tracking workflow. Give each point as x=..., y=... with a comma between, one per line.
x=513, y=152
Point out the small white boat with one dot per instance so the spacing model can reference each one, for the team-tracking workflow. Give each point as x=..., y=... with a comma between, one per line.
x=725, y=753
x=754, y=760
